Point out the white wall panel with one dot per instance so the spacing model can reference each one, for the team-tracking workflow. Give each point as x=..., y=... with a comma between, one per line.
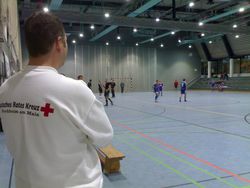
x=144, y=65
x=120, y=63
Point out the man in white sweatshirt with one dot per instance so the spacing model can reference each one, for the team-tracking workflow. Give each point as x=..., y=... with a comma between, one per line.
x=52, y=123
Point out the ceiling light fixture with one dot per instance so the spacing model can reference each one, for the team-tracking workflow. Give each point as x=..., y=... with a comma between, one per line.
x=157, y=19
x=235, y=26
x=135, y=30
x=45, y=9
x=106, y=15
x=81, y=35
x=92, y=27
x=191, y=4
x=241, y=9
x=107, y=43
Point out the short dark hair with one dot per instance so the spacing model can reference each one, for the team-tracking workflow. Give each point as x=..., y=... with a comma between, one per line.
x=41, y=30
x=80, y=77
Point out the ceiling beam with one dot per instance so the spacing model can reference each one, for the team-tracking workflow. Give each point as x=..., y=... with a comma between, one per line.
x=173, y=10
x=55, y=4
x=71, y=17
x=157, y=37
x=206, y=51
x=215, y=8
x=228, y=47
x=93, y=3
x=121, y=11
x=134, y=13
x=240, y=20
x=234, y=10
x=200, y=40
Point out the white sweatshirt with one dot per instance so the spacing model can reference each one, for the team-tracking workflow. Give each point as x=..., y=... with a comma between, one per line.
x=52, y=124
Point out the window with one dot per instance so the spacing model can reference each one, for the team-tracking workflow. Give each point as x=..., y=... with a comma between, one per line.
x=245, y=65
x=204, y=68
x=220, y=66
x=242, y=65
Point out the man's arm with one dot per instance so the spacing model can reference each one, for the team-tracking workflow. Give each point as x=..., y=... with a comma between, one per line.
x=97, y=125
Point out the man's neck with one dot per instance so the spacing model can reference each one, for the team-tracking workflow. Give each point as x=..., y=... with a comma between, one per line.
x=42, y=61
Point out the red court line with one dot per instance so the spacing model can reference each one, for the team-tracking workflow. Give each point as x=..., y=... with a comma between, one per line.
x=183, y=152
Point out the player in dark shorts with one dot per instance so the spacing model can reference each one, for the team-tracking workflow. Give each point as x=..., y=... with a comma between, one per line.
x=183, y=90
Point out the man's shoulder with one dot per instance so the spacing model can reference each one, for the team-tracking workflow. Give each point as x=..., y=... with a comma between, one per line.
x=11, y=81
x=67, y=82
x=75, y=90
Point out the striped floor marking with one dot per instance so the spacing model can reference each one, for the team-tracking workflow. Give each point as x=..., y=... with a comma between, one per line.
x=193, y=109
x=206, y=111
x=186, y=177
x=183, y=161
x=184, y=153
x=194, y=124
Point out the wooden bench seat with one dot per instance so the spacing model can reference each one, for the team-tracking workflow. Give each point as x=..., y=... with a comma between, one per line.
x=110, y=159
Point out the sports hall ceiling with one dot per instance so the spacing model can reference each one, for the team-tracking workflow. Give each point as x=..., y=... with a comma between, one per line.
x=217, y=16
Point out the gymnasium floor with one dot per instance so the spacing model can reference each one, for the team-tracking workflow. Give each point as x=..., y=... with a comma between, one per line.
x=204, y=142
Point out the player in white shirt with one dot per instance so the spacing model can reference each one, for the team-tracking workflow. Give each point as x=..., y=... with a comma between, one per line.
x=52, y=123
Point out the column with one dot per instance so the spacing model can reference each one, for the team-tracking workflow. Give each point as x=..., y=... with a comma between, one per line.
x=209, y=69
x=231, y=67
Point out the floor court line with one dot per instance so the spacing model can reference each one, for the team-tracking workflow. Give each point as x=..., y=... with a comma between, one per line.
x=216, y=130
x=197, y=125
x=207, y=111
x=193, y=109
x=143, y=120
x=184, y=153
x=184, y=176
x=211, y=179
x=185, y=162
x=228, y=104
x=153, y=132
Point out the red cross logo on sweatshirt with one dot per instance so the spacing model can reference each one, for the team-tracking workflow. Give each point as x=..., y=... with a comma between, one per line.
x=47, y=110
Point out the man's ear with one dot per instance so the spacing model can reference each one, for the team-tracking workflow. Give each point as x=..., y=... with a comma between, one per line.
x=58, y=42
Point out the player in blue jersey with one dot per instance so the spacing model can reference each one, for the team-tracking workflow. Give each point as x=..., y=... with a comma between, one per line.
x=183, y=90
x=156, y=88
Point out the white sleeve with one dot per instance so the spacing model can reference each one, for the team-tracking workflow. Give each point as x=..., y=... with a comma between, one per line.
x=97, y=125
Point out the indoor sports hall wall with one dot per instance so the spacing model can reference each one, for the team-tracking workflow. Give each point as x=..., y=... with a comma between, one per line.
x=137, y=67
